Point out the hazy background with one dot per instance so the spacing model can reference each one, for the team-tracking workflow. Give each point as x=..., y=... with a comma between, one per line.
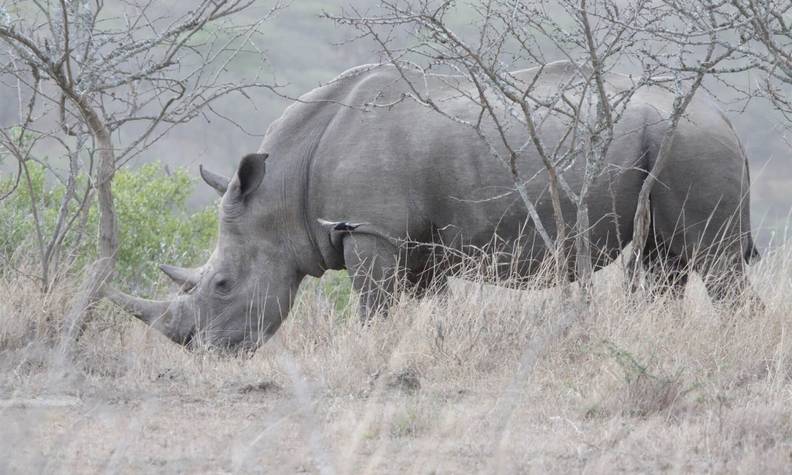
x=303, y=51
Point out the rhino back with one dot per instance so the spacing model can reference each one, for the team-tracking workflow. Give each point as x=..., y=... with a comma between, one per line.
x=372, y=153
x=362, y=148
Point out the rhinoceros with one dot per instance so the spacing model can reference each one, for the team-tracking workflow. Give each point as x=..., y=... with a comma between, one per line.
x=356, y=168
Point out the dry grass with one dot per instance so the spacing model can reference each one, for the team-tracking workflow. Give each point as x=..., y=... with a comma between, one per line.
x=480, y=379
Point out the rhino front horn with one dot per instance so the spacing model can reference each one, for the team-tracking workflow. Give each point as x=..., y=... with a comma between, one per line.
x=186, y=278
x=164, y=316
x=218, y=182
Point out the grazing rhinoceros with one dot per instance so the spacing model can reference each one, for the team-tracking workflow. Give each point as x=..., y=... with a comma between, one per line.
x=340, y=183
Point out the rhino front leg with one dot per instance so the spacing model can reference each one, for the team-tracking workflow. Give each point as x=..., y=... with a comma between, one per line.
x=372, y=265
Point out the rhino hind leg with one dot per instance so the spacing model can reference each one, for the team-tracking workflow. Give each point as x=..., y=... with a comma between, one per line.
x=727, y=283
x=431, y=279
x=668, y=272
x=667, y=279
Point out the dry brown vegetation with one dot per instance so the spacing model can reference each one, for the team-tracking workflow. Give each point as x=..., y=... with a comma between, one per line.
x=481, y=379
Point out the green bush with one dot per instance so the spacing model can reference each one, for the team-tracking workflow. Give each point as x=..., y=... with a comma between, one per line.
x=16, y=217
x=155, y=226
x=337, y=287
x=154, y=222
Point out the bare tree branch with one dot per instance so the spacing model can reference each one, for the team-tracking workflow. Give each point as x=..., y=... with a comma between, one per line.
x=99, y=72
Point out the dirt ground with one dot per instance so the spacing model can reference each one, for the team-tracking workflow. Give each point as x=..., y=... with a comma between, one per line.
x=261, y=427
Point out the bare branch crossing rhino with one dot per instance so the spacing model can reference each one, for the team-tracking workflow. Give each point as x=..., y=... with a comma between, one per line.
x=339, y=183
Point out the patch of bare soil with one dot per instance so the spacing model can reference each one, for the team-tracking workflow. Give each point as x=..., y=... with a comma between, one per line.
x=264, y=428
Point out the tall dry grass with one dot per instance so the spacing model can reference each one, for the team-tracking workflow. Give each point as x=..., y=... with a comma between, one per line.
x=479, y=378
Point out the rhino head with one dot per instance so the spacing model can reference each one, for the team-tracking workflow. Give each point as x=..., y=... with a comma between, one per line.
x=242, y=294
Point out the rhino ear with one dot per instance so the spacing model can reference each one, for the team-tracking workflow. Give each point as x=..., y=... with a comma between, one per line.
x=250, y=173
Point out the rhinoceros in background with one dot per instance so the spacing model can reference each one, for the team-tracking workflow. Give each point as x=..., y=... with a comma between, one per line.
x=339, y=184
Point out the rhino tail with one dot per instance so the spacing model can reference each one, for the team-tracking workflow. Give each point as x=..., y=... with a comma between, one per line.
x=750, y=252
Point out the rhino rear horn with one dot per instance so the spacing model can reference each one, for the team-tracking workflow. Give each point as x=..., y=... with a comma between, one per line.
x=186, y=278
x=218, y=182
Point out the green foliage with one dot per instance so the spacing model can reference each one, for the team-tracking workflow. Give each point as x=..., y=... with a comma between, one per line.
x=17, y=226
x=337, y=287
x=155, y=224
x=16, y=220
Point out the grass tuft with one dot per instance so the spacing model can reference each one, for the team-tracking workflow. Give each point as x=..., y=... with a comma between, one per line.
x=475, y=378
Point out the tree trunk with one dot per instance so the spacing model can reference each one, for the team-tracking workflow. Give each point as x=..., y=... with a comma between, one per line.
x=102, y=269
x=108, y=228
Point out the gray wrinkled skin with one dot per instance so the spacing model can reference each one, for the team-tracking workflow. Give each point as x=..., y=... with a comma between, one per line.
x=343, y=186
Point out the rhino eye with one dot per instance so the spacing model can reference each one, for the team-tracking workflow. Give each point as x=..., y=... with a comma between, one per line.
x=222, y=285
